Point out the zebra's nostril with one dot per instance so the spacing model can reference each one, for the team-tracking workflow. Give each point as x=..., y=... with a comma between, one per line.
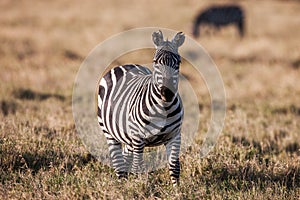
x=166, y=94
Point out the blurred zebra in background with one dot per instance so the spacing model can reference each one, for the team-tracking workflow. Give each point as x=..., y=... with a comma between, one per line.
x=139, y=108
x=218, y=16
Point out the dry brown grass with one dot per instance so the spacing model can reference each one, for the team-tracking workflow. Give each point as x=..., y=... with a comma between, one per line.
x=42, y=46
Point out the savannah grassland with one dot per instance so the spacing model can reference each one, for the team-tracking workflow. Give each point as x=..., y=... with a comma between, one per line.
x=43, y=43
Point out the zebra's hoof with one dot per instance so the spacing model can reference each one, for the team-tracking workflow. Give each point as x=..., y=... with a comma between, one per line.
x=122, y=175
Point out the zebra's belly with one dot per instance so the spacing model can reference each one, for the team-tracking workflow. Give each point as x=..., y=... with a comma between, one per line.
x=156, y=140
x=155, y=133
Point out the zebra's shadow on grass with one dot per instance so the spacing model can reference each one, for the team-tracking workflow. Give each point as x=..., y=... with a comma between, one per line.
x=28, y=94
x=35, y=161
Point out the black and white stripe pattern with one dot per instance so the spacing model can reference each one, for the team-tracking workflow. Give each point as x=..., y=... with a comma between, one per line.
x=140, y=108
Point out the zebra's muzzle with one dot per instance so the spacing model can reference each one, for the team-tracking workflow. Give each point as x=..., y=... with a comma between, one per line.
x=166, y=94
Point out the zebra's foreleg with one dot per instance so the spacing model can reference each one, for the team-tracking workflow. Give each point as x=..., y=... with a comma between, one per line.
x=173, y=150
x=115, y=151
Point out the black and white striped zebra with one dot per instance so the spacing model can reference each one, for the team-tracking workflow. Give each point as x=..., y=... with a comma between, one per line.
x=139, y=108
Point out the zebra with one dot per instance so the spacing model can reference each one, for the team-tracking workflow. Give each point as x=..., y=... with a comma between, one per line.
x=220, y=16
x=140, y=108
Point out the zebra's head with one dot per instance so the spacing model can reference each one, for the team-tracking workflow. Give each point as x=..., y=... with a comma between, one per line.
x=166, y=64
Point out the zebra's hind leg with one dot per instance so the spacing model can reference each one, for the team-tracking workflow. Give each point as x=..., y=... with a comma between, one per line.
x=115, y=151
x=173, y=150
x=128, y=157
x=138, y=152
x=240, y=26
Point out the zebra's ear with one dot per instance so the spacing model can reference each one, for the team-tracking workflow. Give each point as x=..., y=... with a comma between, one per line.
x=158, y=38
x=178, y=39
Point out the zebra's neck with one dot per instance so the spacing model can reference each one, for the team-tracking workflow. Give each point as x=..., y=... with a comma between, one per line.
x=160, y=97
x=165, y=83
